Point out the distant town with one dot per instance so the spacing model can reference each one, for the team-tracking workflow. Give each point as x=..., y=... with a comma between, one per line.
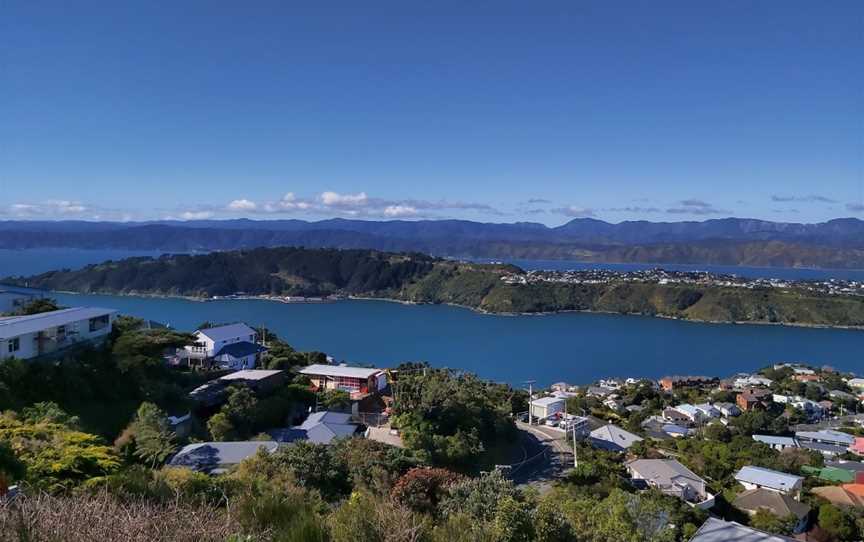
x=663, y=277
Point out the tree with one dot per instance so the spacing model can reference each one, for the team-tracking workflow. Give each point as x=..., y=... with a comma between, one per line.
x=220, y=427
x=335, y=399
x=37, y=306
x=421, y=489
x=550, y=525
x=56, y=456
x=764, y=520
x=478, y=497
x=836, y=523
x=48, y=412
x=154, y=440
x=513, y=521
x=315, y=467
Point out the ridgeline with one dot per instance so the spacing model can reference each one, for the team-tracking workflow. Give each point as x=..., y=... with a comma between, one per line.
x=417, y=278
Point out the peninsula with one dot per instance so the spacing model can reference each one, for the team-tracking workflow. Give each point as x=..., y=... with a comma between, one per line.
x=495, y=288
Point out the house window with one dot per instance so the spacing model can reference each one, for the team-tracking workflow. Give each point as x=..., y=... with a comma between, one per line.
x=100, y=322
x=14, y=345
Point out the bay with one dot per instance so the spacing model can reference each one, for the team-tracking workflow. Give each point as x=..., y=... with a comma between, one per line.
x=574, y=347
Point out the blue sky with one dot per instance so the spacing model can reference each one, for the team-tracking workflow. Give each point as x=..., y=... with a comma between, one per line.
x=496, y=111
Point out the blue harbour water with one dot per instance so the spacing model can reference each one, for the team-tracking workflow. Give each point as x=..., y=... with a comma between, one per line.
x=573, y=347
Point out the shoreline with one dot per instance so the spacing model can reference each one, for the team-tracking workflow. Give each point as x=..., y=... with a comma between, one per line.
x=275, y=299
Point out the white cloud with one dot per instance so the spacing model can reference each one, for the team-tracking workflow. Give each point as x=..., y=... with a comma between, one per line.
x=242, y=205
x=574, y=212
x=400, y=211
x=196, y=215
x=334, y=199
x=49, y=208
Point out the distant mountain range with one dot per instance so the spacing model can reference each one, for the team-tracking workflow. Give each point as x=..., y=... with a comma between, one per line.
x=730, y=241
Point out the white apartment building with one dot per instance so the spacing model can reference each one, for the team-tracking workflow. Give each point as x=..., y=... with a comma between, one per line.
x=26, y=337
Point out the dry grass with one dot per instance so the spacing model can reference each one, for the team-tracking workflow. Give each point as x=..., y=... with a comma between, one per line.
x=89, y=518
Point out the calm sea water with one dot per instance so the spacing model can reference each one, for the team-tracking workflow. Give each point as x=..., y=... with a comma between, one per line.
x=572, y=347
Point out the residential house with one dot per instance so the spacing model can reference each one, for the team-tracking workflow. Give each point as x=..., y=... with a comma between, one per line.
x=358, y=381
x=828, y=450
x=675, y=416
x=858, y=446
x=613, y=438
x=560, y=386
x=856, y=383
x=718, y=530
x=829, y=474
x=806, y=378
x=319, y=428
x=27, y=337
x=214, y=392
x=708, y=411
x=690, y=412
x=826, y=436
x=219, y=457
x=728, y=410
x=777, y=443
x=752, y=381
x=599, y=391
x=672, y=478
x=259, y=380
x=11, y=301
x=841, y=495
x=614, y=404
x=782, y=506
x=758, y=477
x=752, y=399
x=840, y=395
x=671, y=383
x=232, y=346
x=544, y=407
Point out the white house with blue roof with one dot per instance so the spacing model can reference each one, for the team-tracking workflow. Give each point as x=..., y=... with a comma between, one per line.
x=232, y=346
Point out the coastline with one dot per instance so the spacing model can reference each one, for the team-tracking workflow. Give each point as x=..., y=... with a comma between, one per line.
x=276, y=299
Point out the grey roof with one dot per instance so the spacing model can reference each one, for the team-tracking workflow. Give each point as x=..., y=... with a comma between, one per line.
x=667, y=474
x=339, y=370
x=319, y=427
x=775, y=441
x=823, y=447
x=777, y=503
x=15, y=326
x=240, y=350
x=827, y=435
x=230, y=331
x=215, y=457
x=612, y=436
x=250, y=374
x=547, y=401
x=717, y=530
x=772, y=479
x=853, y=466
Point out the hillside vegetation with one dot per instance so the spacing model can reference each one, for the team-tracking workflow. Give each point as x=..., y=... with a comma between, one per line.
x=422, y=279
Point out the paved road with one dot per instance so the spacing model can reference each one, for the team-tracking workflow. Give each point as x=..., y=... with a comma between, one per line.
x=553, y=457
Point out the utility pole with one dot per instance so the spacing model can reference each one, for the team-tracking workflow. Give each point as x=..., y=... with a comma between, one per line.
x=575, y=450
x=530, y=396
